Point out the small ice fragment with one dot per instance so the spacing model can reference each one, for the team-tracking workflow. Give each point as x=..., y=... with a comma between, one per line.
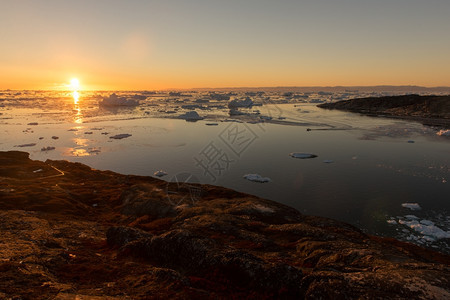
x=302, y=155
x=393, y=222
x=26, y=145
x=72, y=129
x=212, y=124
x=120, y=136
x=160, y=173
x=33, y=123
x=328, y=161
x=256, y=178
x=47, y=148
x=411, y=142
x=411, y=206
x=105, y=133
x=41, y=138
x=38, y=170
x=444, y=132
x=55, y=137
x=88, y=132
x=96, y=128
x=94, y=205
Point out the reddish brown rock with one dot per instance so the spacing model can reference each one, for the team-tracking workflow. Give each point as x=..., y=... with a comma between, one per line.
x=70, y=231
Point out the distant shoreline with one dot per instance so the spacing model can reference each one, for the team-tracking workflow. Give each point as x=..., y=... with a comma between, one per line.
x=407, y=89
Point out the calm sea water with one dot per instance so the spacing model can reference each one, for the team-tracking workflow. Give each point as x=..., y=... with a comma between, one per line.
x=374, y=165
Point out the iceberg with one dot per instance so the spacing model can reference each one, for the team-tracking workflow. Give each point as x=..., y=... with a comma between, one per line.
x=114, y=100
x=190, y=116
x=247, y=102
x=257, y=178
x=302, y=155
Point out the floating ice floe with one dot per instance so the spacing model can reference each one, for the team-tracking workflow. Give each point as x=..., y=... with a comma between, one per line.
x=160, y=173
x=55, y=137
x=444, y=132
x=257, y=178
x=328, y=161
x=427, y=228
x=411, y=206
x=47, y=148
x=392, y=222
x=411, y=142
x=88, y=132
x=302, y=155
x=72, y=129
x=94, y=151
x=120, y=136
x=212, y=124
x=247, y=102
x=114, y=100
x=33, y=123
x=41, y=137
x=190, y=116
x=26, y=145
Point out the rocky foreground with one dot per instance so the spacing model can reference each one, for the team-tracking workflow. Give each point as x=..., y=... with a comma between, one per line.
x=70, y=232
x=429, y=110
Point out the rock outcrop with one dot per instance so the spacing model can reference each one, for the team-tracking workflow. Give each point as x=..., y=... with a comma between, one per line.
x=429, y=110
x=70, y=231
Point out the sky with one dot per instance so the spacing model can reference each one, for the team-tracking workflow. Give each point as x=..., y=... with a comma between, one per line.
x=182, y=44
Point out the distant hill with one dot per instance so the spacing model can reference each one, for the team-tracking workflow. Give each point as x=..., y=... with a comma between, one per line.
x=429, y=110
x=377, y=88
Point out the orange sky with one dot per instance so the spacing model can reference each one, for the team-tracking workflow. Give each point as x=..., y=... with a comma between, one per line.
x=191, y=44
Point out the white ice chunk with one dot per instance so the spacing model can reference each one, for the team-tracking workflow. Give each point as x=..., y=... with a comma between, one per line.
x=427, y=222
x=247, y=102
x=302, y=155
x=120, y=136
x=412, y=206
x=160, y=173
x=114, y=100
x=190, y=116
x=393, y=222
x=429, y=231
x=257, y=178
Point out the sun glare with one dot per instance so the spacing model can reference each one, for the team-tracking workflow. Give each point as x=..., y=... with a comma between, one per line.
x=74, y=84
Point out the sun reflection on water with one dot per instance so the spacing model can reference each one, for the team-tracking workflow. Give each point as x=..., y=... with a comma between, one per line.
x=78, y=118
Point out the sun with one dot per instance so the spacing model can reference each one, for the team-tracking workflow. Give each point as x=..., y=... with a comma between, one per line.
x=74, y=84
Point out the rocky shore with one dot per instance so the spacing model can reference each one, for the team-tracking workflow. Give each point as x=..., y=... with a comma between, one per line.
x=71, y=232
x=429, y=110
